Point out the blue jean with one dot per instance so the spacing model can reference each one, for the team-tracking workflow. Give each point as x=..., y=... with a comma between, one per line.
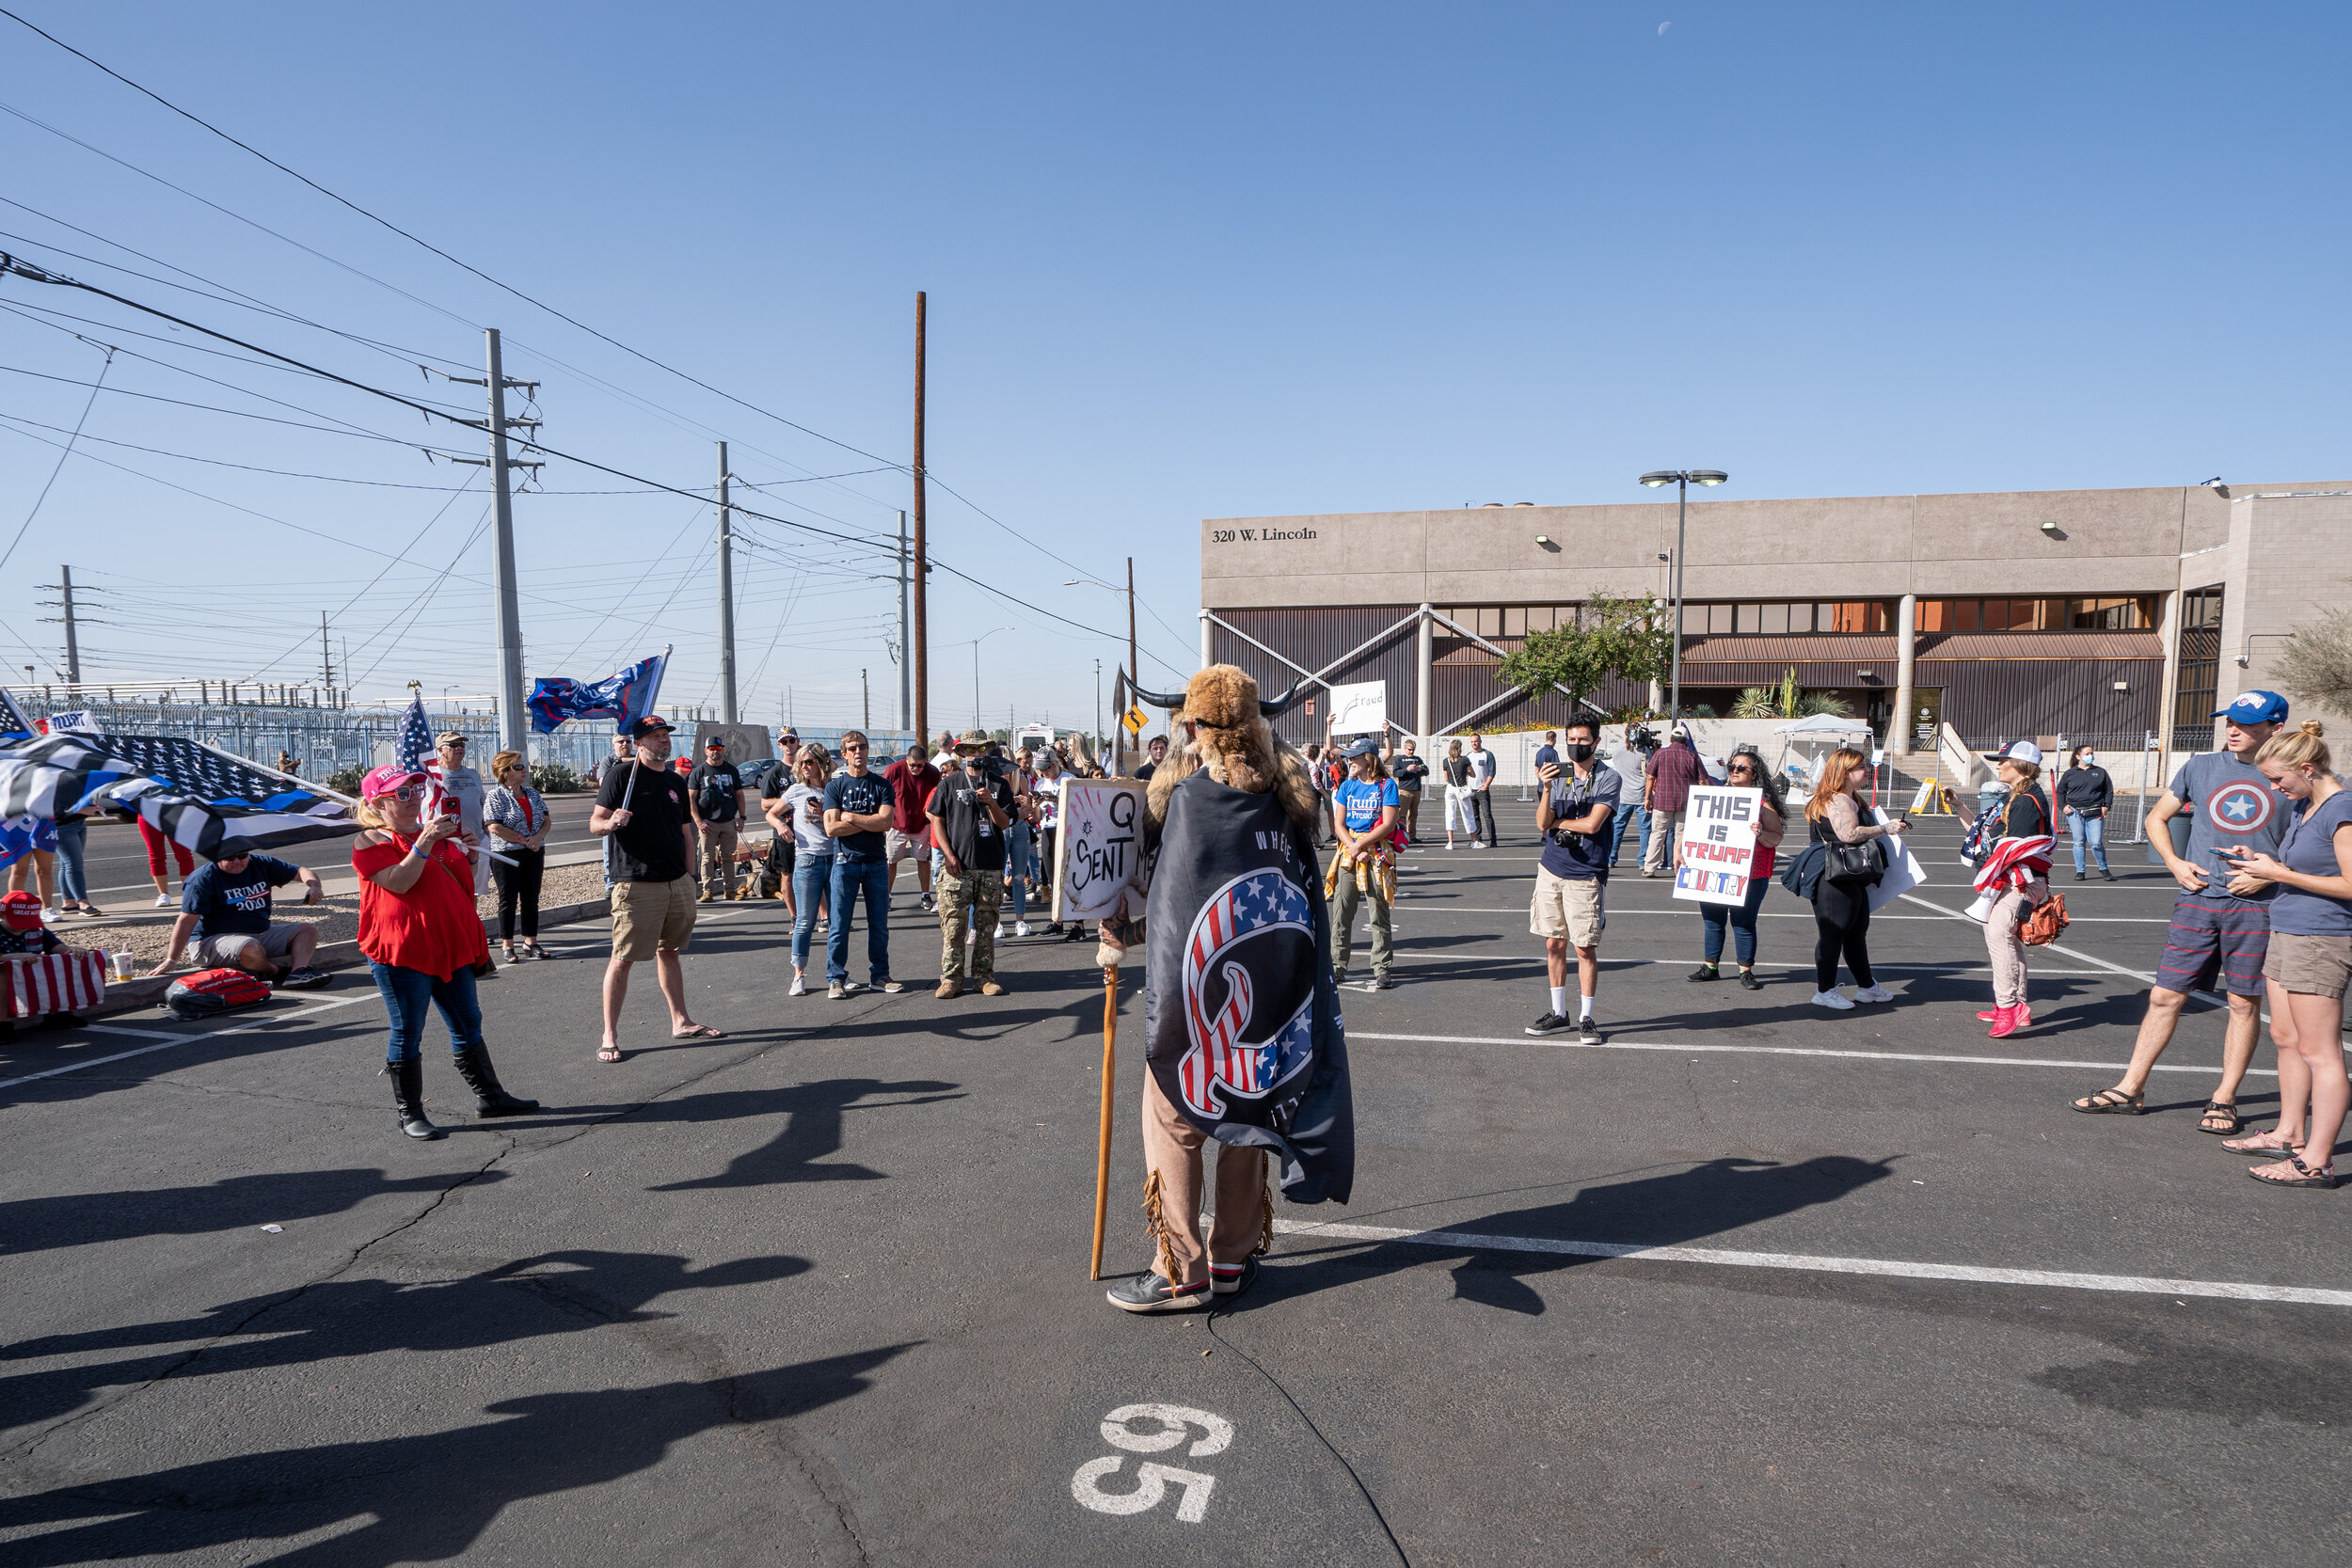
x=1619, y=821
x=812, y=882
x=72, y=839
x=406, y=992
x=851, y=877
x=2091, y=831
x=1020, y=865
x=1741, y=917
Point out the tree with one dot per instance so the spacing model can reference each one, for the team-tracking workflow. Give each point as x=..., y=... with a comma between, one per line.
x=1756, y=701
x=1609, y=638
x=2316, y=666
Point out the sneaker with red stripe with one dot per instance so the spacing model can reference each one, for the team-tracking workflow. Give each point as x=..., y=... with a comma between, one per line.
x=1154, y=1292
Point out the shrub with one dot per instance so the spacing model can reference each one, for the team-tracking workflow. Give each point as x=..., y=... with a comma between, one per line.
x=345, y=781
x=554, y=778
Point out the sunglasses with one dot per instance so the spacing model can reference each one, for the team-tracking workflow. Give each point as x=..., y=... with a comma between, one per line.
x=407, y=792
x=852, y=745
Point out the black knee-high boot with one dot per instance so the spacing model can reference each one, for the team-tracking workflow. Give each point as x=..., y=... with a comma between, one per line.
x=489, y=1098
x=409, y=1098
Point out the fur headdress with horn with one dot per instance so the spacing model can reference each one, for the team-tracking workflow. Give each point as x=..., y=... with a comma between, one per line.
x=1229, y=736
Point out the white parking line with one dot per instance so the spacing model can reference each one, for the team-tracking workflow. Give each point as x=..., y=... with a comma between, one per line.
x=2049, y=1278
x=1558, y=1043
x=171, y=1040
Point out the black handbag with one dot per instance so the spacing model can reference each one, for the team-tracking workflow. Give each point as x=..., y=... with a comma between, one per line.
x=1846, y=863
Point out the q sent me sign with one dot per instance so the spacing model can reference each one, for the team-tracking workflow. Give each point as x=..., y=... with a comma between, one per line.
x=1097, y=847
x=1718, y=852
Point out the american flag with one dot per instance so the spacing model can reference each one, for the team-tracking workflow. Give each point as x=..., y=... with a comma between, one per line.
x=413, y=752
x=53, y=983
x=211, y=802
x=1260, y=901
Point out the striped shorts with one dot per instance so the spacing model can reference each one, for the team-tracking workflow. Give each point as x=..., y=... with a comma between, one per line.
x=2212, y=942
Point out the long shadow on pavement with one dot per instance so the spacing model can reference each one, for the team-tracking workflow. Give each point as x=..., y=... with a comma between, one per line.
x=1655, y=1211
x=419, y=1498
x=233, y=1203
x=344, y=1318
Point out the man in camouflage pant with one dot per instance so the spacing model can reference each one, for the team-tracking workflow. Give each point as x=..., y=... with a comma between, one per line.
x=969, y=813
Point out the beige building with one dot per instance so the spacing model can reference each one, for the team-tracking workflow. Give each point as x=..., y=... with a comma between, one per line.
x=2109, y=613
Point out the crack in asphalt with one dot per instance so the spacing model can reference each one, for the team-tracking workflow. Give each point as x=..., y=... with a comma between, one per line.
x=1330, y=1447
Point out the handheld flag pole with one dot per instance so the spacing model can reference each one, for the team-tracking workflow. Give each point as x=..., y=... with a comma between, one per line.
x=1103, y=1144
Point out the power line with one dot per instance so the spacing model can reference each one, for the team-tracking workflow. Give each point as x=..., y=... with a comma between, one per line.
x=437, y=250
x=65, y=452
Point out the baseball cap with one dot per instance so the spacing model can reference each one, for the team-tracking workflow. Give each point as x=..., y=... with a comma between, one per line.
x=450, y=737
x=22, y=910
x=2018, y=751
x=714, y=743
x=649, y=724
x=382, y=781
x=2255, y=707
x=1364, y=748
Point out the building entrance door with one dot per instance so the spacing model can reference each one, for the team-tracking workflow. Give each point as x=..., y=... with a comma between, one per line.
x=1927, y=715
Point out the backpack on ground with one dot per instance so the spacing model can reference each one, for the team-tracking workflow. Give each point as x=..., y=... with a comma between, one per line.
x=213, y=991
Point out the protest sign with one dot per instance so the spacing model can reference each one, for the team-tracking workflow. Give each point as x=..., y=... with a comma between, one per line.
x=1902, y=868
x=1718, y=849
x=1359, y=710
x=1098, y=848
x=79, y=720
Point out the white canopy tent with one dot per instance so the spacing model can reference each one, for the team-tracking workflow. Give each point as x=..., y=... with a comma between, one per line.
x=1822, y=732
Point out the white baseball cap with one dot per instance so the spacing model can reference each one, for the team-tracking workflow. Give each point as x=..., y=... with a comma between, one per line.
x=2018, y=751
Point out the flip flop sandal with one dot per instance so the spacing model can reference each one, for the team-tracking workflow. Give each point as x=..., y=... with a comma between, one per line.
x=2324, y=1176
x=2216, y=1110
x=607, y=1053
x=2113, y=1103
x=700, y=1031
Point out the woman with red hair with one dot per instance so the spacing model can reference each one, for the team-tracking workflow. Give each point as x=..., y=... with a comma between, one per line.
x=1841, y=908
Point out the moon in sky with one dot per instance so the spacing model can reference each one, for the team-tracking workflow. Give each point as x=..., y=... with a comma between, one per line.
x=1662, y=28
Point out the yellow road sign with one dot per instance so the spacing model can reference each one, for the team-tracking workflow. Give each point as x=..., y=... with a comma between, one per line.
x=1134, y=720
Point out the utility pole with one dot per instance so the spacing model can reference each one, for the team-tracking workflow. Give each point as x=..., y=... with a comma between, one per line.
x=326, y=663
x=906, y=669
x=1098, y=697
x=864, y=701
x=70, y=617
x=727, y=598
x=513, y=716
x=1133, y=674
x=921, y=630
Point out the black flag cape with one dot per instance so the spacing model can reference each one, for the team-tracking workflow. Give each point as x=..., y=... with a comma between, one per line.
x=1241, y=1019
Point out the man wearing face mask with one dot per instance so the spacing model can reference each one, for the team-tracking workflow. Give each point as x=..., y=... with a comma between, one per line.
x=2085, y=792
x=1567, y=909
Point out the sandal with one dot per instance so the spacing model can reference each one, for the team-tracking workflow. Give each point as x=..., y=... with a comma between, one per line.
x=2224, y=1113
x=2263, y=1143
x=2324, y=1177
x=506, y=951
x=699, y=1031
x=2113, y=1103
x=607, y=1053
x=533, y=950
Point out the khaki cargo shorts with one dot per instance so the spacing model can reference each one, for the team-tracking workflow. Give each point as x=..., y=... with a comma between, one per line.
x=2308, y=966
x=652, y=917
x=1565, y=910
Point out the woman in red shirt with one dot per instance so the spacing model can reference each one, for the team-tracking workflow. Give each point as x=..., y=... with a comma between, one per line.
x=422, y=937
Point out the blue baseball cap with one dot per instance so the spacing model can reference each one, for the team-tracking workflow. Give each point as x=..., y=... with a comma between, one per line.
x=2256, y=707
x=1363, y=747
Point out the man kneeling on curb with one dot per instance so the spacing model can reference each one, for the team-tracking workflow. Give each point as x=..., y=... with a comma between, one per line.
x=227, y=907
x=969, y=813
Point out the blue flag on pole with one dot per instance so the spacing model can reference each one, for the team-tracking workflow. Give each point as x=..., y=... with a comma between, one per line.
x=624, y=698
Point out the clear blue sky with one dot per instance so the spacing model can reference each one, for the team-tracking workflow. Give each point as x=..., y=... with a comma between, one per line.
x=1205, y=262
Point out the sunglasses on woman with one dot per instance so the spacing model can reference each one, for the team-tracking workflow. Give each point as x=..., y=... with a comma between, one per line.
x=409, y=792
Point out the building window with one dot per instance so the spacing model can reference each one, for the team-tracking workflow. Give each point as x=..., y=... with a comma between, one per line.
x=2115, y=612
x=2200, y=661
x=1724, y=620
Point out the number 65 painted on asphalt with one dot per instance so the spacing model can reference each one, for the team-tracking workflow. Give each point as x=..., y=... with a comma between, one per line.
x=1151, y=1478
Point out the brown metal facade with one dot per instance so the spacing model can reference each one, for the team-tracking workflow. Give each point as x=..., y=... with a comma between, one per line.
x=1992, y=683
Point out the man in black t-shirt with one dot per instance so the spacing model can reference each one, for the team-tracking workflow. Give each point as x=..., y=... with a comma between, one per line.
x=642, y=813
x=714, y=792
x=970, y=812
x=859, y=807
x=1159, y=754
x=1409, y=771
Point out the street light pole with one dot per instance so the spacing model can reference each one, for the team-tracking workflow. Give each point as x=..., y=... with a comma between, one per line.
x=1682, y=479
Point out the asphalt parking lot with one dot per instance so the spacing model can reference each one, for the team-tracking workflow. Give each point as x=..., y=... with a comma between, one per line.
x=1750, y=1282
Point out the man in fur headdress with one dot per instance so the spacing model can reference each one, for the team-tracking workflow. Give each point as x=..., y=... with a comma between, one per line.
x=1244, y=1042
